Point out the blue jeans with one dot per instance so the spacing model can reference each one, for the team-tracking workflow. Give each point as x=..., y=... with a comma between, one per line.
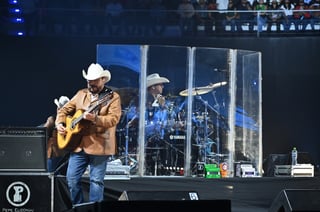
x=78, y=163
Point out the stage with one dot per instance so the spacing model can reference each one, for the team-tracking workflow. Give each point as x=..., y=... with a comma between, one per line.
x=46, y=192
x=246, y=194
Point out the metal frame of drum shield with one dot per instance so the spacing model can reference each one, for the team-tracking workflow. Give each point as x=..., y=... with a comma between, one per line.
x=141, y=137
x=243, y=66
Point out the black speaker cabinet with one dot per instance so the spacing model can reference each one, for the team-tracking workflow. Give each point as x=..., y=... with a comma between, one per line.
x=159, y=195
x=23, y=149
x=289, y=200
x=26, y=192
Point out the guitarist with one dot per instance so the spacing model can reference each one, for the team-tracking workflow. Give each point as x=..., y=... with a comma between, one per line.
x=97, y=134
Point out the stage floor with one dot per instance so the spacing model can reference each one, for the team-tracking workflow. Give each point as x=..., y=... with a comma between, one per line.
x=246, y=194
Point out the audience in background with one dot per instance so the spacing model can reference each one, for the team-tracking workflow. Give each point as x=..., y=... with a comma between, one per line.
x=261, y=16
x=212, y=6
x=186, y=12
x=230, y=17
x=203, y=17
x=287, y=8
x=114, y=18
x=153, y=17
x=222, y=6
x=300, y=16
x=158, y=17
x=274, y=17
x=245, y=18
x=315, y=15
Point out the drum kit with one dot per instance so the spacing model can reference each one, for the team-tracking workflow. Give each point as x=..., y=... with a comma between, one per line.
x=165, y=129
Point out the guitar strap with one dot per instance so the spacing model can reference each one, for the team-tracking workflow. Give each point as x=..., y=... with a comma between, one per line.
x=102, y=94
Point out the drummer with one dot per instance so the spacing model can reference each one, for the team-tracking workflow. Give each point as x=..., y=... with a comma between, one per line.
x=156, y=109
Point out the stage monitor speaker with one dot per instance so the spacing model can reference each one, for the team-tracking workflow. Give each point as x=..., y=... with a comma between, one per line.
x=289, y=200
x=23, y=149
x=159, y=195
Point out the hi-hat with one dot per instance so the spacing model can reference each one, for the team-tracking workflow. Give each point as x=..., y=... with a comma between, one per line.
x=202, y=90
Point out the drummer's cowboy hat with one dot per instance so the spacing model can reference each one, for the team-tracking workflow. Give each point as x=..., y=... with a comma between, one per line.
x=154, y=79
x=62, y=101
x=96, y=71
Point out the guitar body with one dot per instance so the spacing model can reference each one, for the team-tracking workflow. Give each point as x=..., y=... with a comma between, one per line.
x=74, y=124
x=72, y=138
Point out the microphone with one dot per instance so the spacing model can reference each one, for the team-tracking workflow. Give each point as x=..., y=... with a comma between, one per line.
x=161, y=99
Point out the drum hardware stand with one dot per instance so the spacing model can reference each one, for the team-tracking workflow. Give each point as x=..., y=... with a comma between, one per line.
x=216, y=109
x=217, y=106
x=156, y=159
x=171, y=146
x=126, y=130
x=126, y=143
x=156, y=153
x=126, y=154
x=203, y=145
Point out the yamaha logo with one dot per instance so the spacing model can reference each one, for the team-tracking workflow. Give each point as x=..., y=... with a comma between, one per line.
x=18, y=194
x=177, y=137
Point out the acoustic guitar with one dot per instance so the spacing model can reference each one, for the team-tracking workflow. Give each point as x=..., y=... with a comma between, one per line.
x=75, y=125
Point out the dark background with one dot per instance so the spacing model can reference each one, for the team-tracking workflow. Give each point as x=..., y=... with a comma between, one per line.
x=36, y=70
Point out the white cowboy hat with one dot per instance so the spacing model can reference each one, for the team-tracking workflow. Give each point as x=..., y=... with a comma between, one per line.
x=154, y=79
x=96, y=71
x=62, y=101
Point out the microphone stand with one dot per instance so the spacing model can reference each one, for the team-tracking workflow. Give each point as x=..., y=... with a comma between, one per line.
x=126, y=142
x=128, y=123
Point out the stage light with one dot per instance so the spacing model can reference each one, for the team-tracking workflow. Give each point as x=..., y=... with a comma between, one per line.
x=12, y=1
x=16, y=33
x=17, y=20
x=15, y=10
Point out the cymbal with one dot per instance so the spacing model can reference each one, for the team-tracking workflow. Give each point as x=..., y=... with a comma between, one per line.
x=196, y=91
x=218, y=84
x=202, y=90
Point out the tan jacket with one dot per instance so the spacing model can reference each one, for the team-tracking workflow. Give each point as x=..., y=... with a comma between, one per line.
x=98, y=138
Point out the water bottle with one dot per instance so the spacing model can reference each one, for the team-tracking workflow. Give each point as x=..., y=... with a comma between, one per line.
x=294, y=156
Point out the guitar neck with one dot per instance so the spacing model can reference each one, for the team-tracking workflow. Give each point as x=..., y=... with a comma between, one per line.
x=93, y=107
